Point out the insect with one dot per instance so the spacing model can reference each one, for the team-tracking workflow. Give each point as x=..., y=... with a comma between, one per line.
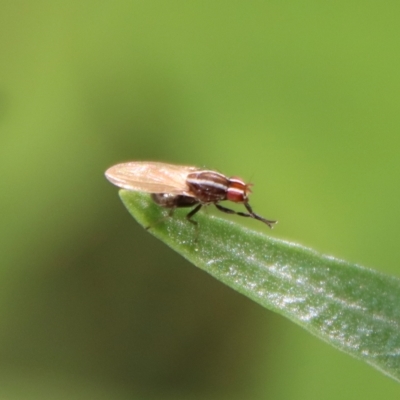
x=174, y=186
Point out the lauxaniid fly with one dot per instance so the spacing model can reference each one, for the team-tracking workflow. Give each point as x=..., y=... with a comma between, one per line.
x=174, y=186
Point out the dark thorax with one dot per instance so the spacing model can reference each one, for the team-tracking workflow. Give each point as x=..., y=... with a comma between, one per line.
x=208, y=186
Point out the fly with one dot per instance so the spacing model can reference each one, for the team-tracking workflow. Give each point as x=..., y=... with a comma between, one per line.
x=172, y=186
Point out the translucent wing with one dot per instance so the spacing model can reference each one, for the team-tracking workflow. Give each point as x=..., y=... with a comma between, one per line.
x=150, y=177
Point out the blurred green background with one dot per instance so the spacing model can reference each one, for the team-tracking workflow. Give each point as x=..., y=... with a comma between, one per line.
x=301, y=98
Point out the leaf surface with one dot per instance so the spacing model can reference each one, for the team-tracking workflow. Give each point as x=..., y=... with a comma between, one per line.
x=355, y=309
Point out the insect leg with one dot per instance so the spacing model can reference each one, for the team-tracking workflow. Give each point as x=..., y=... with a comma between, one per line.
x=194, y=211
x=195, y=223
x=251, y=214
x=269, y=222
x=229, y=211
x=162, y=219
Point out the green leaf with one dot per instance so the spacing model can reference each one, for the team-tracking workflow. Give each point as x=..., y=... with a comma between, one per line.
x=355, y=309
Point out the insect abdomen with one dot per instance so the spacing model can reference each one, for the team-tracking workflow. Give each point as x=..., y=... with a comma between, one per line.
x=171, y=201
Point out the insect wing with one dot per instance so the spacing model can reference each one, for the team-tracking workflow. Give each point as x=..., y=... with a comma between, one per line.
x=150, y=177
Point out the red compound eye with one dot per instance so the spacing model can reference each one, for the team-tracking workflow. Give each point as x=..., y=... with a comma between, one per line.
x=235, y=195
x=237, y=190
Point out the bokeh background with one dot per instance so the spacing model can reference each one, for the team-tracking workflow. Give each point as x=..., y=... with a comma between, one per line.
x=301, y=98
